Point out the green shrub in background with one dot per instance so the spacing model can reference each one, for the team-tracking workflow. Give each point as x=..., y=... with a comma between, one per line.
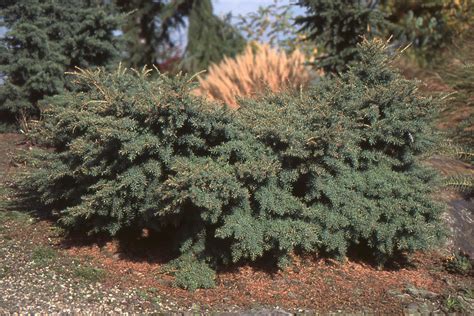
x=43, y=40
x=337, y=26
x=458, y=72
x=318, y=172
x=429, y=25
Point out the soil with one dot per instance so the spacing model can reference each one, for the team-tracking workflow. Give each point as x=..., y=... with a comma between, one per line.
x=9, y=143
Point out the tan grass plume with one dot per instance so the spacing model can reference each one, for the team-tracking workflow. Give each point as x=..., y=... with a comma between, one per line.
x=257, y=69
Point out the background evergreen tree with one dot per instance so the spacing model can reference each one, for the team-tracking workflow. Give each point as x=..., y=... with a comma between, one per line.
x=45, y=39
x=338, y=26
x=152, y=28
x=210, y=38
x=149, y=26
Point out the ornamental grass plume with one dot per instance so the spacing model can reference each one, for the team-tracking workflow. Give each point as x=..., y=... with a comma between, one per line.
x=260, y=68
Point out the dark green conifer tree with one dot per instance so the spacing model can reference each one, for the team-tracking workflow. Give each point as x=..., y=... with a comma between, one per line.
x=338, y=26
x=46, y=39
x=210, y=38
x=149, y=26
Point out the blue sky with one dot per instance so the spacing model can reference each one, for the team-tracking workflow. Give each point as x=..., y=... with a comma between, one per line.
x=239, y=6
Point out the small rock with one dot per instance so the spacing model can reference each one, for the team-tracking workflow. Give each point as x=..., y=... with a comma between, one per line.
x=424, y=309
x=421, y=293
x=448, y=281
x=412, y=308
x=394, y=292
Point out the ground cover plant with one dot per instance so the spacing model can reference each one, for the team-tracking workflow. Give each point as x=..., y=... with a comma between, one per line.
x=317, y=171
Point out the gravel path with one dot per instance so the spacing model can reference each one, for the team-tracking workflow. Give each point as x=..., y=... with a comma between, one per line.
x=40, y=280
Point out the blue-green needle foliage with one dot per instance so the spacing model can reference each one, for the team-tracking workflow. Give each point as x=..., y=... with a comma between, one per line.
x=317, y=172
x=45, y=39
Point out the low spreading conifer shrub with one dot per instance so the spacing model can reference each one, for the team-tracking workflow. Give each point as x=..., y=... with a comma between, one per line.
x=318, y=171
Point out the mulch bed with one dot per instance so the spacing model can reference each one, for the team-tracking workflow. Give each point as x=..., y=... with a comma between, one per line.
x=309, y=284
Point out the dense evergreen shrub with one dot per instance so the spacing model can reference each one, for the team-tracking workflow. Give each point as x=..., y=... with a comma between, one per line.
x=318, y=171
